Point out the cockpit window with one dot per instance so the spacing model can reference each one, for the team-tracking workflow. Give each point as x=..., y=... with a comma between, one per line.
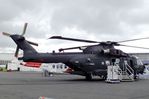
x=139, y=62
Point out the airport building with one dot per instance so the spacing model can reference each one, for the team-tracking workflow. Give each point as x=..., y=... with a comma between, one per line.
x=6, y=58
x=12, y=63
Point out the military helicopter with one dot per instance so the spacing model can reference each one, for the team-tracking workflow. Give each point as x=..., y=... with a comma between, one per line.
x=92, y=61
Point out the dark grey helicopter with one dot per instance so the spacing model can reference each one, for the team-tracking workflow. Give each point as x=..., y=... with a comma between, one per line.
x=92, y=61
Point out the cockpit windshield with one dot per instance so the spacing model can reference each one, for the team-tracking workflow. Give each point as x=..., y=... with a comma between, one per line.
x=139, y=62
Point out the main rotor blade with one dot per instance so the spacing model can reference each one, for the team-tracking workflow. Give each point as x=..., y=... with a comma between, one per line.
x=70, y=48
x=134, y=46
x=6, y=34
x=62, y=49
x=24, y=29
x=32, y=43
x=133, y=39
x=72, y=39
x=17, y=51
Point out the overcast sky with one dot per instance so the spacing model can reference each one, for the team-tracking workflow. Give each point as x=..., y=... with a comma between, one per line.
x=99, y=20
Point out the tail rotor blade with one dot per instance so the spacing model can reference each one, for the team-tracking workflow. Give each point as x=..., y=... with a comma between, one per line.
x=6, y=34
x=24, y=29
x=17, y=51
x=32, y=43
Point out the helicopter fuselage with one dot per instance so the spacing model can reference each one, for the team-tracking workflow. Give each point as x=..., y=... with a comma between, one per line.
x=81, y=63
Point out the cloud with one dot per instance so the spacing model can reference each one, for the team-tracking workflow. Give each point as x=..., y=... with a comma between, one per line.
x=96, y=20
x=98, y=16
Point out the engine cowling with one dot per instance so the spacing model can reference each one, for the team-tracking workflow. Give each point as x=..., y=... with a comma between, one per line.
x=114, y=52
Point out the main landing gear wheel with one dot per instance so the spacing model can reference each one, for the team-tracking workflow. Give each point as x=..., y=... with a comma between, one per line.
x=88, y=76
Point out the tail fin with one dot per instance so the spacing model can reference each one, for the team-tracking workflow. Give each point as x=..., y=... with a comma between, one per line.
x=23, y=44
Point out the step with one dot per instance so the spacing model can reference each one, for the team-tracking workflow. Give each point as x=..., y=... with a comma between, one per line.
x=112, y=81
x=127, y=78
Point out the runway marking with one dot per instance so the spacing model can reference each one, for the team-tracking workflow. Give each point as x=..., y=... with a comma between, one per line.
x=42, y=97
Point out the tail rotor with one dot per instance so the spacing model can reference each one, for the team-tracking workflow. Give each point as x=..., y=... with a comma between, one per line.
x=23, y=33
